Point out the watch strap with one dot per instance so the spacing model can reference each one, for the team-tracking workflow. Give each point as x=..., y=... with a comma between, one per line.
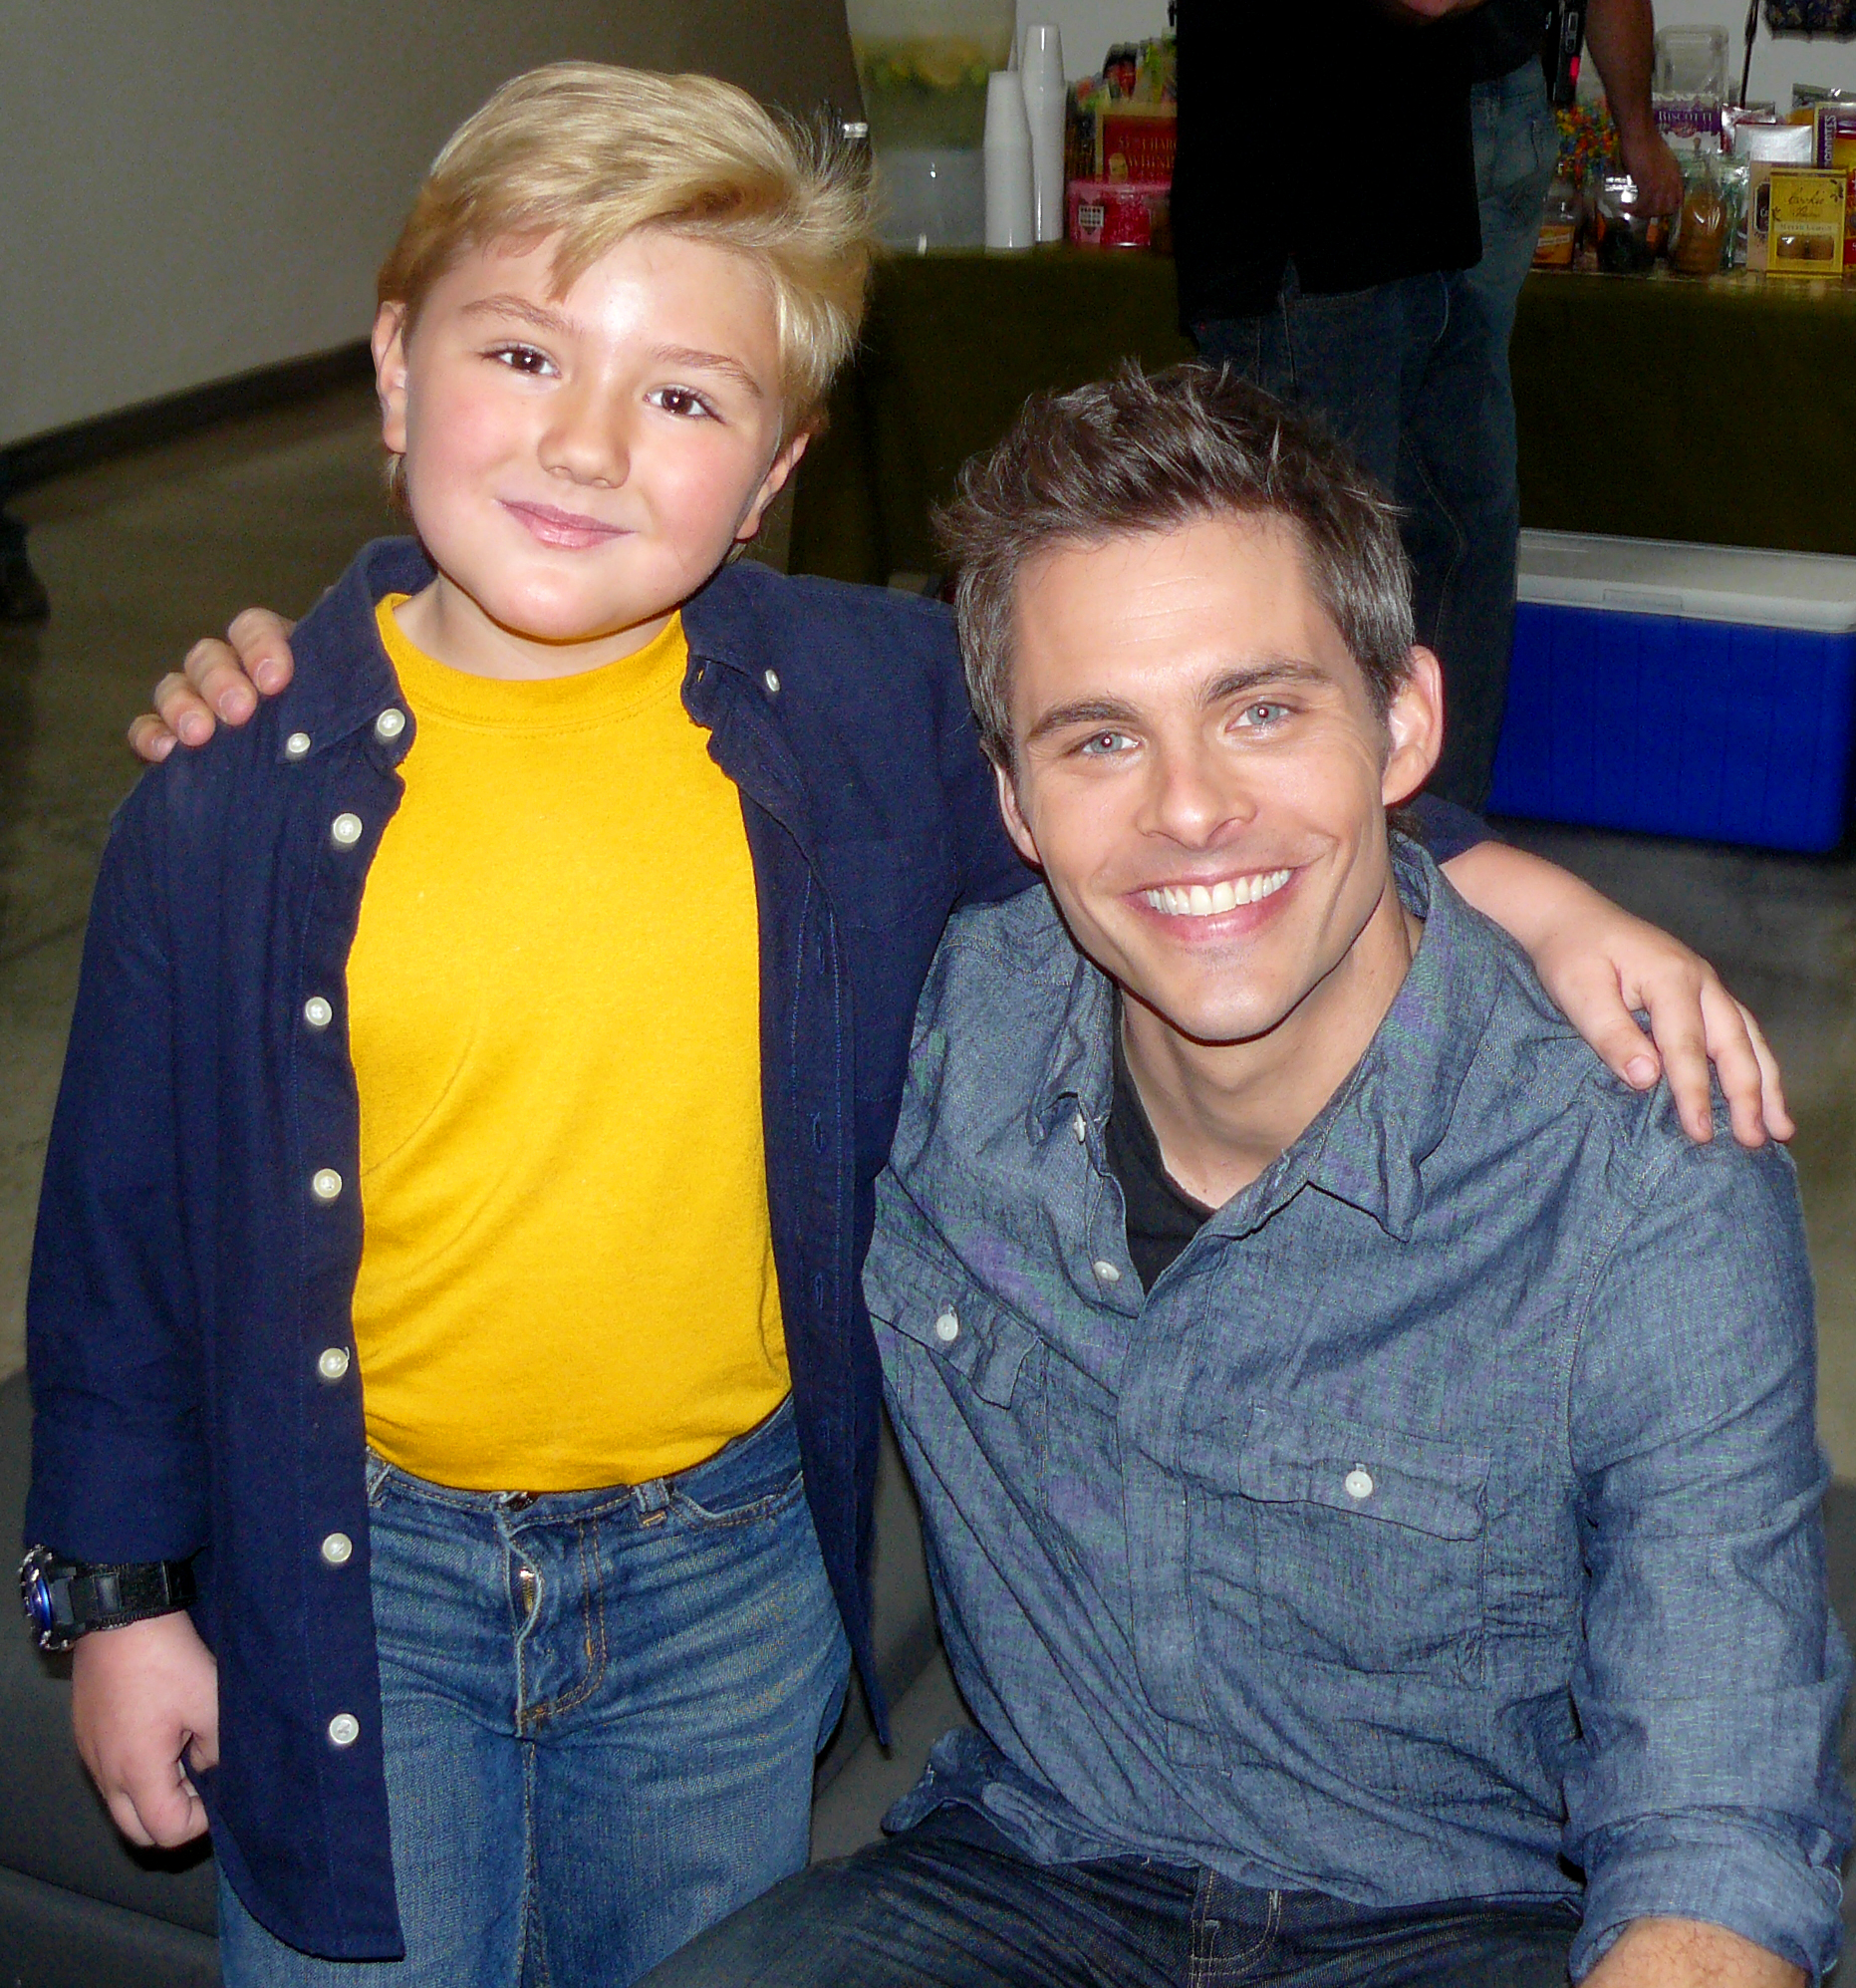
x=105, y=1597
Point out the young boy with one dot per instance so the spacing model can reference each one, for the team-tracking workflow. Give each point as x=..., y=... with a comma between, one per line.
x=567, y=914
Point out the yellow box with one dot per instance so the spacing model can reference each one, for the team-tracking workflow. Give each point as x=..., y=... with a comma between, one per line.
x=1804, y=224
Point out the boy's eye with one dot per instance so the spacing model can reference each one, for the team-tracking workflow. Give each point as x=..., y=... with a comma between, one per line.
x=680, y=401
x=523, y=358
x=1105, y=744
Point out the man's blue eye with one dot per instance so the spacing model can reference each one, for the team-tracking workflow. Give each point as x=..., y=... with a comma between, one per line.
x=1264, y=713
x=1103, y=742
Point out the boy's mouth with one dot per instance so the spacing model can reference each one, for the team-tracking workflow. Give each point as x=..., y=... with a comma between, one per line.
x=570, y=530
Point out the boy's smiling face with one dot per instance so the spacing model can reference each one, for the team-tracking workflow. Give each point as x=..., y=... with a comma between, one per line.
x=577, y=465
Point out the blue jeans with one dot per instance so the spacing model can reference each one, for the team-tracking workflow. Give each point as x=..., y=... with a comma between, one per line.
x=599, y=1711
x=953, y=1904
x=1414, y=376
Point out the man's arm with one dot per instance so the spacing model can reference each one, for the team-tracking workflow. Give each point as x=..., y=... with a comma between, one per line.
x=1711, y=1680
x=1621, y=35
x=1681, y=1953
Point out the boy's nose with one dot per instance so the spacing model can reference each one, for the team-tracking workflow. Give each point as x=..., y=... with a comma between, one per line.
x=585, y=440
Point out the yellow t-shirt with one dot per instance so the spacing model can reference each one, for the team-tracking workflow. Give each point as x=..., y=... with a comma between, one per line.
x=554, y=1013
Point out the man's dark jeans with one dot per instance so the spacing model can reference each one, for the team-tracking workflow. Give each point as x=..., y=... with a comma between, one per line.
x=1400, y=372
x=950, y=1905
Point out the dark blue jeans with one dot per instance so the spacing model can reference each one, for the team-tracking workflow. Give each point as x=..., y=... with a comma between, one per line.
x=950, y=1905
x=599, y=1711
x=1413, y=376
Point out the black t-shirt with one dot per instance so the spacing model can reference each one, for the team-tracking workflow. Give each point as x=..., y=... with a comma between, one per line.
x=1503, y=34
x=1162, y=1217
x=1323, y=133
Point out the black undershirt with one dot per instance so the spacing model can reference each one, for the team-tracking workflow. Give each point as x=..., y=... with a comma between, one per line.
x=1162, y=1217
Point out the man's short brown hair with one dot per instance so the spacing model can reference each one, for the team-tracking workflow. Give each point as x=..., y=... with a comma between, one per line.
x=1151, y=452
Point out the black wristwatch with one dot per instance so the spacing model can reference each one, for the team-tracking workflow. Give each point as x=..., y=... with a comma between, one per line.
x=65, y=1599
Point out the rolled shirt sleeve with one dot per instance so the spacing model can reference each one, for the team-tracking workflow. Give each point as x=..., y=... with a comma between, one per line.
x=1712, y=1676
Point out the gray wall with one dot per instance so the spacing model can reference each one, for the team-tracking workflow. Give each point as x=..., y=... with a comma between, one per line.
x=191, y=188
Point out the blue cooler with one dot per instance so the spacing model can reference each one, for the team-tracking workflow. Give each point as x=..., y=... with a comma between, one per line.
x=1681, y=689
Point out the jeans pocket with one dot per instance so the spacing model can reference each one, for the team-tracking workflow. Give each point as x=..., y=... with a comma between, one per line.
x=738, y=1506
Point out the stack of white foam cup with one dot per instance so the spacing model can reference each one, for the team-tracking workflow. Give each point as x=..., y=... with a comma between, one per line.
x=1040, y=74
x=1011, y=220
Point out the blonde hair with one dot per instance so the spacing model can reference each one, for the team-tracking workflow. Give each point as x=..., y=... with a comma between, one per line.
x=586, y=153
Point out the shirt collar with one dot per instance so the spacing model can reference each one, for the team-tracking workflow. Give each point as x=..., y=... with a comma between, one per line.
x=1368, y=1145
x=343, y=679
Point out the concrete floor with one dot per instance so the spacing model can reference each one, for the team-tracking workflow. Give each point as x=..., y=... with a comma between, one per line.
x=145, y=555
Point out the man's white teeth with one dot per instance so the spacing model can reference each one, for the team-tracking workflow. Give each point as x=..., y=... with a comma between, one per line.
x=1207, y=900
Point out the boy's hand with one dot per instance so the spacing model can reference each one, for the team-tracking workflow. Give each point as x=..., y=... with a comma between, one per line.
x=218, y=684
x=145, y=1707
x=1600, y=965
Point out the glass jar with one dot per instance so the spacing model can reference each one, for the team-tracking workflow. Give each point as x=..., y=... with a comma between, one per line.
x=923, y=66
x=1627, y=239
x=1698, y=242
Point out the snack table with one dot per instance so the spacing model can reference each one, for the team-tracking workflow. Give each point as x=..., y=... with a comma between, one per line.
x=1657, y=407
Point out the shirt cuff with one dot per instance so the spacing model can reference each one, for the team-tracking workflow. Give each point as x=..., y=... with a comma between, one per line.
x=1737, y=1874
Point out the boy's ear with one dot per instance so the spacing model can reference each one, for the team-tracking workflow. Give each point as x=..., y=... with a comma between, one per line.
x=781, y=467
x=1415, y=729
x=390, y=374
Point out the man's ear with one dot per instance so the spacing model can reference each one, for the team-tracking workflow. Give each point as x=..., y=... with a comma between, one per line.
x=781, y=467
x=1415, y=729
x=390, y=374
x=1015, y=824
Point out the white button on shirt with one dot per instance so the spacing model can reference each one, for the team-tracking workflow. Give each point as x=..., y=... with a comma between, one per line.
x=1358, y=1482
x=316, y=1012
x=325, y=1184
x=771, y=677
x=1107, y=1271
x=389, y=724
x=297, y=745
x=337, y=1548
x=332, y=1363
x=344, y=1730
x=1080, y=1126
x=948, y=1327
x=346, y=828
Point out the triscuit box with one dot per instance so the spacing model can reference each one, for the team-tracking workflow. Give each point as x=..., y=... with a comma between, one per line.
x=1705, y=690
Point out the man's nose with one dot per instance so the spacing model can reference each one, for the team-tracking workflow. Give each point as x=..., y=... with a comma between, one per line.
x=587, y=439
x=1195, y=793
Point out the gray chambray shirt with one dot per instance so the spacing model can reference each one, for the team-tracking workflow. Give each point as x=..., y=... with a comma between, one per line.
x=1448, y=1508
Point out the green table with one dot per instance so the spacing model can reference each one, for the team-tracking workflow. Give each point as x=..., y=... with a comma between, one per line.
x=1719, y=412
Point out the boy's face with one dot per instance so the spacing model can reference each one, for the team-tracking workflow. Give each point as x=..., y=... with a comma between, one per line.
x=1201, y=775
x=577, y=465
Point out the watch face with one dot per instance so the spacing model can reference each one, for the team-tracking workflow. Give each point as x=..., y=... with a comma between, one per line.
x=35, y=1596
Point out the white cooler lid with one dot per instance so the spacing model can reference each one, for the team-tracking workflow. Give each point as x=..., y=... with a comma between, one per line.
x=1660, y=576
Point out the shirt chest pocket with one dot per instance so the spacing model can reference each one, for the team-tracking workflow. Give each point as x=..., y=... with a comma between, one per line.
x=1349, y=1545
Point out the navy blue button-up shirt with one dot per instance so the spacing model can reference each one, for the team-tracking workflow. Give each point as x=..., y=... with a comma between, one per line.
x=200, y=1224
x=1446, y=1516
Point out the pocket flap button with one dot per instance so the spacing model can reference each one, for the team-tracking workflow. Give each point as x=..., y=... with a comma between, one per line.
x=1358, y=1482
x=947, y=1326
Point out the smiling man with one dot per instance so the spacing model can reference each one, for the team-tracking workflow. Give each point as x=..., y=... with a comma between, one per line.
x=1366, y=1452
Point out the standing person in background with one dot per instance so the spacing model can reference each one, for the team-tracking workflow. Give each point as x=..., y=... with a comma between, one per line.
x=1391, y=315
x=1516, y=146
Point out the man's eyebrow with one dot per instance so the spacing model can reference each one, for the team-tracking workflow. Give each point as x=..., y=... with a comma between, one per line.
x=1084, y=711
x=1261, y=675
x=523, y=310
